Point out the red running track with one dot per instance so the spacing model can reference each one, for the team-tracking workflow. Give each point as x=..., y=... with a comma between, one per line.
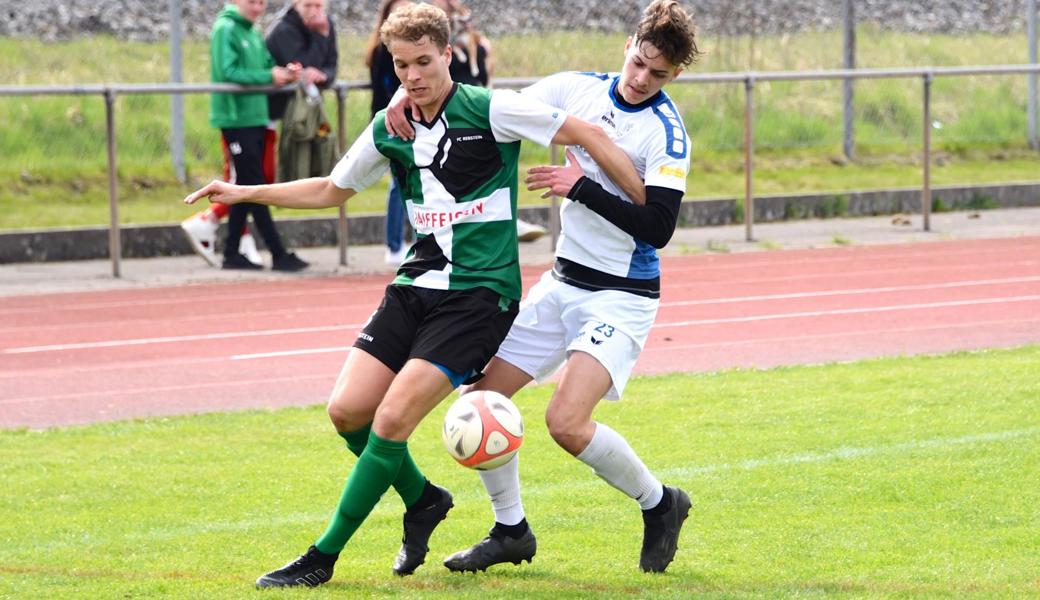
x=83, y=357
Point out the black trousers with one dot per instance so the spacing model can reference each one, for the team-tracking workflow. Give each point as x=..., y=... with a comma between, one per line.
x=245, y=146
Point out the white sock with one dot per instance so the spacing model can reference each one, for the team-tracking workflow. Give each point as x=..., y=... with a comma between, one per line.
x=614, y=461
x=503, y=486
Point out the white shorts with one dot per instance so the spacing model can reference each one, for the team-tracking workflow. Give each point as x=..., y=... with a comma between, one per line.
x=556, y=319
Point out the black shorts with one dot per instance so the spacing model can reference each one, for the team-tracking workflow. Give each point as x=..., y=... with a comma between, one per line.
x=457, y=329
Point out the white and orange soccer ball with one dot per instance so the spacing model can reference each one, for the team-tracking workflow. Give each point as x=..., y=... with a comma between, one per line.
x=483, y=430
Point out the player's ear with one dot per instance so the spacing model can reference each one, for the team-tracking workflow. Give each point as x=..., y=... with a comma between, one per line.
x=447, y=54
x=628, y=44
x=675, y=74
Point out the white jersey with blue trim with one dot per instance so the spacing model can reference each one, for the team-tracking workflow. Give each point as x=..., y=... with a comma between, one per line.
x=653, y=136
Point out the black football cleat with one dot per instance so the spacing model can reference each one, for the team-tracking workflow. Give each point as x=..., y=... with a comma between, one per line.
x=418, y=526
x=310, y=570
x=661, y=533
x=492, y=550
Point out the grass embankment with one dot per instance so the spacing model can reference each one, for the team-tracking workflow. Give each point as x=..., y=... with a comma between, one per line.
x=54, y=169
x=905, y=478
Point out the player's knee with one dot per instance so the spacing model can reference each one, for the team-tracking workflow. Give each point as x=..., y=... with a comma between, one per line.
x=567, y=430
x=391, y=422
x=345, y=419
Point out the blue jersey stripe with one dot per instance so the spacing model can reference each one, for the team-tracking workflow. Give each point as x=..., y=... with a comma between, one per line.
x=675, y=133
x=644, y=264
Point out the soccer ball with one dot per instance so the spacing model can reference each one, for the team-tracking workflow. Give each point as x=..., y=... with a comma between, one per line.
x=483, y=430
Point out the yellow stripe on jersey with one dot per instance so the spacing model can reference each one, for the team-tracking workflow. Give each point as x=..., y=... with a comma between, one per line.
x=672, y=171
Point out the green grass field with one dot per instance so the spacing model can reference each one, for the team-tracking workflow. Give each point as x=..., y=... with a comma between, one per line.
x=54, y=172
x=894, y=478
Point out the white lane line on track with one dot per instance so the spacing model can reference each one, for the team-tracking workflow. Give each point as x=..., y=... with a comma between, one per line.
x=299, y=330
x=705, y=265
x=666, y=347
x=150, y=391
x=285, y=353
x=906, y=261
x=157, y=364
x=849, y=311
x=224, y=317
x=855, y=291
x=766, y=297
x=178, y=339
x=670, y=348
x=678, y=282
x=254, y=524
x=225, y=298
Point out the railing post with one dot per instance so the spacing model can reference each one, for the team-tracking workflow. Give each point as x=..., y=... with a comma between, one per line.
x=850, y=63
x=926, y=158
x=749, y=165
x=1031, y=34
x=177, y=100
x=554, y=202
x=341, y=126
x=114, y=246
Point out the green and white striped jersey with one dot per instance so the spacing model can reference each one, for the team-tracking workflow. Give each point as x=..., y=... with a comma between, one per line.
x=458, y=180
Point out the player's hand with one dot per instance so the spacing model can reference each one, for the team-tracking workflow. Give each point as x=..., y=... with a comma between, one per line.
x=556, y=180
x=396, y=122
x=218, y=191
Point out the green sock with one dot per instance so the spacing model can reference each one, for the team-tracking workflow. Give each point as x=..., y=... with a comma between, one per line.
x=376, y=469
x=410, y=481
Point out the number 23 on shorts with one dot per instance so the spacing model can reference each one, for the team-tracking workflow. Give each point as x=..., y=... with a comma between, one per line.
x=597, y=332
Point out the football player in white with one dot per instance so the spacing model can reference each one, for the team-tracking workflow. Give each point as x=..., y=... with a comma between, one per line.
x=592, y=313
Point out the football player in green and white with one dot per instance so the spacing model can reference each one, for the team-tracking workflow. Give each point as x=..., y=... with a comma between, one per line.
x=591, y=314
x=457, y=292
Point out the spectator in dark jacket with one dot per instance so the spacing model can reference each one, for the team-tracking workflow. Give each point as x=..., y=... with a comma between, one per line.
x=303, y=33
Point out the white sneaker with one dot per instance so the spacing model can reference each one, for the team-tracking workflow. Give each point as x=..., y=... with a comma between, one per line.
x=247, y=248
x=528, y=232
x=395, y=258
x=201, y=230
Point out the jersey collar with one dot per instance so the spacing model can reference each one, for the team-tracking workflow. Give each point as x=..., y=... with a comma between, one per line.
x=447, y=99
x=620, y=103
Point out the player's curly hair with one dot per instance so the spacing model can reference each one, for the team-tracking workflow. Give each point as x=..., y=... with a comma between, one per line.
x=671, y=30
x=413, y=22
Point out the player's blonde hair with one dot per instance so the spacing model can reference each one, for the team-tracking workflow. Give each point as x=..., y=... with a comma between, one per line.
x=671, y=30
x=412, y=23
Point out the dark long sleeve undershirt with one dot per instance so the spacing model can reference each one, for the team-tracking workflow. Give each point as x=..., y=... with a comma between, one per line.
x=653, y=222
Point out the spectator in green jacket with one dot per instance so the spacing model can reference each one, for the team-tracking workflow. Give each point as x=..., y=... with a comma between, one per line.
x=238, y=55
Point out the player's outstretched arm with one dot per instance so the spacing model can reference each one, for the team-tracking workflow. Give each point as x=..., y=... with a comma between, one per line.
x=614, y=162
x=317, y=192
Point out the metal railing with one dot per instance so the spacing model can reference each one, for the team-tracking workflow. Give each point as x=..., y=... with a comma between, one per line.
x=749, y=79
x=109, y=94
